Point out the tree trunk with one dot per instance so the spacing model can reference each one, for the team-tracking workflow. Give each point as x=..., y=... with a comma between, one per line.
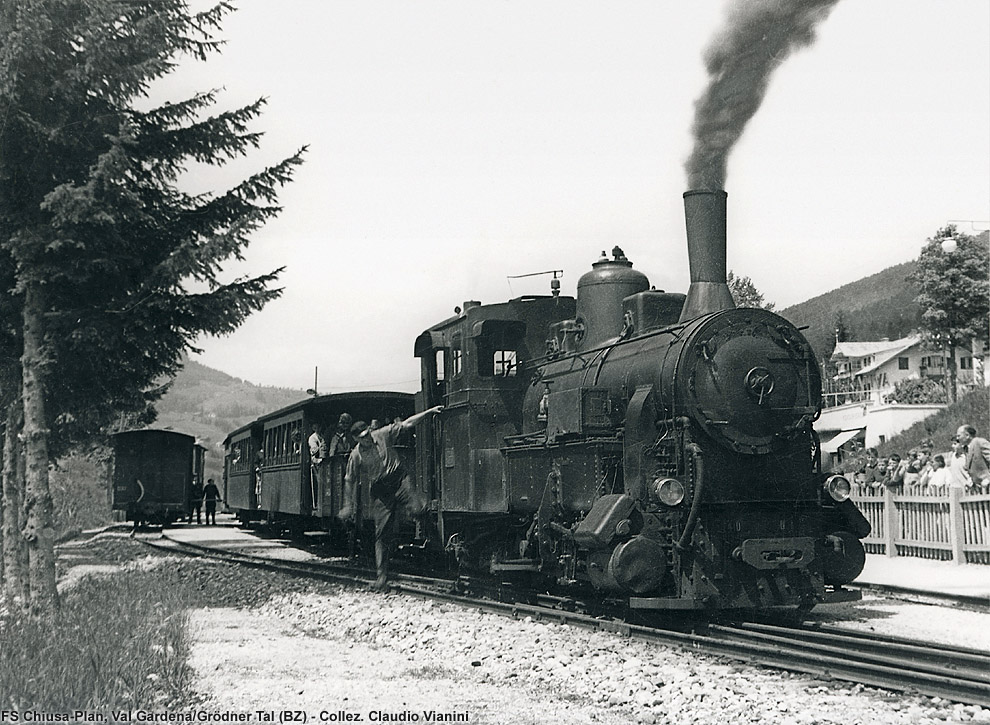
x=14, y=552
x=39, y=531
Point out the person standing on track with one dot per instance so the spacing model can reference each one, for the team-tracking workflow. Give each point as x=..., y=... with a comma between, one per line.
x=196, y=501
x=375, y=462
x=211, y=494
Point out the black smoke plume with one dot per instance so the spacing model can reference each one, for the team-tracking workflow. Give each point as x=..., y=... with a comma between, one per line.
x=757, y=37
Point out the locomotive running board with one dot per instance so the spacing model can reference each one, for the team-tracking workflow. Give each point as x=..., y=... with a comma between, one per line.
x=664, y=603
x=517, y=565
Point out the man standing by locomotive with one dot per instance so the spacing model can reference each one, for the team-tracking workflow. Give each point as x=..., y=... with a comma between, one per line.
x=376, y=463
x=977, y=452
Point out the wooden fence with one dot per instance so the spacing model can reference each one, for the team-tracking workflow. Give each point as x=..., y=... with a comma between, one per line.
x=949, y=524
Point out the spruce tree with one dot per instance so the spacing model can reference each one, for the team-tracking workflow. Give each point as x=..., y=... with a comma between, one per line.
x=104, y=240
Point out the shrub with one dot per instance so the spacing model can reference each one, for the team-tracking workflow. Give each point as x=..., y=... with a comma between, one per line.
x=917, y=391
x=973, y=408
x=80, y=493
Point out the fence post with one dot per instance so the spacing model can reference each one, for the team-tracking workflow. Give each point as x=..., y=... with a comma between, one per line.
x=957, y=531
x=891, y=522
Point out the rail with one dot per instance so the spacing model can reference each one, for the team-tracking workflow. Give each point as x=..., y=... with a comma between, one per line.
x=928, y=522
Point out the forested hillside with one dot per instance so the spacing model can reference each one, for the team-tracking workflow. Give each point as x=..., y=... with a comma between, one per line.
x=878, y=306
x=209, y=404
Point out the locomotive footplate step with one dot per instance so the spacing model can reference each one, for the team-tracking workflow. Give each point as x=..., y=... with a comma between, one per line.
x=842, y=595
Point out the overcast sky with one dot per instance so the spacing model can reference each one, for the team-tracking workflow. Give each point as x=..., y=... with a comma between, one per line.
x=454, y=144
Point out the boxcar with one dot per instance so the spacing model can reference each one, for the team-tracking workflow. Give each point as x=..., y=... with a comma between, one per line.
x=152, y=474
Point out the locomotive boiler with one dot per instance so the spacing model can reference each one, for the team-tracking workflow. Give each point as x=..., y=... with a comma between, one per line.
x=646, y=445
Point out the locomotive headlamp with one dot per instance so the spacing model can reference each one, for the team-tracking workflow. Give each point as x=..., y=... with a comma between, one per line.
x=670, y=491
x=838, y=488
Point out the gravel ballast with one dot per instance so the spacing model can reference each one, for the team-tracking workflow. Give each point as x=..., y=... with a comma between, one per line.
x=392, y=653
x=269, y=643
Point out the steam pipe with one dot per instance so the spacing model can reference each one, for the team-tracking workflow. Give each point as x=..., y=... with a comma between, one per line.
x=704, y=218
x=699, y=478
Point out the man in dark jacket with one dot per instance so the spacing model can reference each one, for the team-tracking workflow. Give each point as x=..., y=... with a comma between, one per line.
x=211, y=494
x=196, y=501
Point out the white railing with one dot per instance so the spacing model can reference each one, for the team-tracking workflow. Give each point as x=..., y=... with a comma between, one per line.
x=930, y=522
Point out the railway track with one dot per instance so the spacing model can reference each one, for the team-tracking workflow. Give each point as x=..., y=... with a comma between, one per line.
x=951, y=673
x=907, y=594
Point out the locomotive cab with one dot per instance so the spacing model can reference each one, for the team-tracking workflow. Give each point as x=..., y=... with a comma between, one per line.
x=474, y=365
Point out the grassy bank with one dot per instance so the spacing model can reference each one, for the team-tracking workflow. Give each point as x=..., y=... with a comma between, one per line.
x=121, y=639
x=119, y=642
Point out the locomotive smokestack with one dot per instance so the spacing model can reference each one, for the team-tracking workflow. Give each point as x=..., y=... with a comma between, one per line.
x=704, y=217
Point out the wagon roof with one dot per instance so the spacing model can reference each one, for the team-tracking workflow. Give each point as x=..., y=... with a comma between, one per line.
x=147, y=431
x=339, y=399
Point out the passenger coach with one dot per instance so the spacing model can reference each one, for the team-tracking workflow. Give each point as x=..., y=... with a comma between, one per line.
x=268, y=473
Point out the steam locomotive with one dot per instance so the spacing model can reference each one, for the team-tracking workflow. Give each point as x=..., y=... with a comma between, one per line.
x=649, y=446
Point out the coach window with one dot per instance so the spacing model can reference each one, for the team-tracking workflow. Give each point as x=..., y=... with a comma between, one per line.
x=269, y=445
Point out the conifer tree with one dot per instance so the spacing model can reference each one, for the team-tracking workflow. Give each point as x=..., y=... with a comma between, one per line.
x=744, y=292
x=103, y=239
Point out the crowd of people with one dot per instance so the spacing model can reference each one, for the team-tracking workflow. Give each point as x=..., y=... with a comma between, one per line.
x=967, y=463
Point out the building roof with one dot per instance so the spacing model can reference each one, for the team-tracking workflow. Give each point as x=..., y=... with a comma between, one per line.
x=888, y=355
x=862, y=349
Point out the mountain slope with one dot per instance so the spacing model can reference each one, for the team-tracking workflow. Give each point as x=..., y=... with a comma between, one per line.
x=209, y=404
x=878, y=306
